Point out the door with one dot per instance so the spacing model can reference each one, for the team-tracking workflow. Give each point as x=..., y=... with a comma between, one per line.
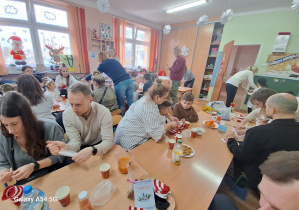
x=227, y=50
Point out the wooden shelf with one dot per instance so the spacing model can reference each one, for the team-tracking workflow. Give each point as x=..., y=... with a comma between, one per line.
x=210, y=68
x=212, y=56
x=215, y=43
x=205, y=89
x=207, y=79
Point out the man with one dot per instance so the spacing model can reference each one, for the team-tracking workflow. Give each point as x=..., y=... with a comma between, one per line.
x=177, y=72
x=260, y=141
x=88, y=125
x=280, y=183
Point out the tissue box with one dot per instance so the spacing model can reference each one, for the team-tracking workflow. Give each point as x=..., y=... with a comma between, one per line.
x=222, y=128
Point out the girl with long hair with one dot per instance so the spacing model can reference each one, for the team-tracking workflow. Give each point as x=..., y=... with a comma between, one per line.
x=23, y=152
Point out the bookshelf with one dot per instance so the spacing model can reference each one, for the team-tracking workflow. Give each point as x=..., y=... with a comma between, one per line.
x=211, y=60
x=104, y=45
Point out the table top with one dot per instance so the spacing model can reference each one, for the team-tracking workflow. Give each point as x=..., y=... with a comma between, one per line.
x=62, y=107
x=85, y=176
x=194, y=182
x=184, y=89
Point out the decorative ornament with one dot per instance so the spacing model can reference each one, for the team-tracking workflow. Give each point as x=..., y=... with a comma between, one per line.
x=226, y=16
x=103, y=5
x=166, y=29
x=17, y=53
x=55, y=54
x=203, y=20
x=185, y=50
x=295, y=6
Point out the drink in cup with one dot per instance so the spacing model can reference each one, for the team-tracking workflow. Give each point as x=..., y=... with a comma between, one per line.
x=63, y=195
x=122, y=165
x=187, y=123
x=63, y=97
x=177, y=137
x=105, y=168
x=194, y=132
x=171, y=143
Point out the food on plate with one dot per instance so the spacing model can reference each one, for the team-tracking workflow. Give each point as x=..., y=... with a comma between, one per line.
x=187, y=150
x=210, y=123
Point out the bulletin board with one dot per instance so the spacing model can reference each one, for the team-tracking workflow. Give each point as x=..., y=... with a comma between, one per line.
x=283, y=65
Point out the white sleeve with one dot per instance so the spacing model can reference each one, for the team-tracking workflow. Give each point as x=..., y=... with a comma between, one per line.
x=58, y=81
x=250, y=79
x=253, y=115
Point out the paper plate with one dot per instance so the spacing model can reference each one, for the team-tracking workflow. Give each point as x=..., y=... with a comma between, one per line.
x=67, y=153
x=216, y=125
x=191, y=154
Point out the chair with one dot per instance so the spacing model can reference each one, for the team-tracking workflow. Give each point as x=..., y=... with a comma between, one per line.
x=116, y=112
x=116, y=119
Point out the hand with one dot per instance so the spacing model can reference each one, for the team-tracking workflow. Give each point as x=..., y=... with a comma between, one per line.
x=56, y=146
x=174, y=119
x=230, y=135
x=23, y=172
x=6, y=175
x=183, y=120
x=83, y=80
x=83, y=155
x=56, y=106
x=60, y=86
x=239, y=127
x=173, y=124
x=262, y=122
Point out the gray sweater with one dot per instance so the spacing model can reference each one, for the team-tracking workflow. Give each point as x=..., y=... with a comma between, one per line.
x=53, y=132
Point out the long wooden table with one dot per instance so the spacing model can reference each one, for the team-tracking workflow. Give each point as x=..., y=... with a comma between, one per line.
x=85, y=176
x=194, y=182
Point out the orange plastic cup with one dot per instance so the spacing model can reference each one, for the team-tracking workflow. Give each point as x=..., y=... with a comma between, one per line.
x=193, y=132
x=187, y=123
x=122, y=165
x=63, y=196
x=177, y=137
x=63, y=97
x=171, y=143
x=105, y=168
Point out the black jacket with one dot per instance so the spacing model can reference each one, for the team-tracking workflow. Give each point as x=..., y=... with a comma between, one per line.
x=260, y=142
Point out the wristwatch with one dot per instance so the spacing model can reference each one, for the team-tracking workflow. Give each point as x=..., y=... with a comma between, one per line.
x=94, y=150
x=36, y=166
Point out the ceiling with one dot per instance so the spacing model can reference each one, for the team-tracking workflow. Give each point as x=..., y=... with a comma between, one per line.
x=152, y=12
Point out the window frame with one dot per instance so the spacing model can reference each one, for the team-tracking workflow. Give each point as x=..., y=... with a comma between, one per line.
x=34, y=26
x=135, y=42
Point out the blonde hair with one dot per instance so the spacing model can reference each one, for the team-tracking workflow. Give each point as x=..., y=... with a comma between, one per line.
x=252, y=68
x=47, y=81
x=136, y=86
x=157, y=89
x=102, y=56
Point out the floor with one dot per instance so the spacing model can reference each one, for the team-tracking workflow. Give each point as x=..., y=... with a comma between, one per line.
x=252, y=201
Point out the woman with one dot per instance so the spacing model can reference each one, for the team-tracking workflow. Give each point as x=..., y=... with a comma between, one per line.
x=23, y=152
x=41, y=104
x=112, y=54
x=261, y=82
x=102, y=94
x=258, y=99
x=233, y=83
x=142, y=120
x=123, y=84
x=64, y=80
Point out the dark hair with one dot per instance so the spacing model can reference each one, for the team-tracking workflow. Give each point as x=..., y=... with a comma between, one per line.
x=262, y=95
x=262, y=82
x=6, y=88
x=157, y=89
x=80, y=87
x=188, y=97
x=68, y=76
x=29, y=87
x=13, y=104
x=25, y=67
x=147, y=76
x=165, y=104
x=282, y=167
x=154, y=76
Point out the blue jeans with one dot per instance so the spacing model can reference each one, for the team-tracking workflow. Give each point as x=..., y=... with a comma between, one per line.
x=124, y=89
x=189, y=83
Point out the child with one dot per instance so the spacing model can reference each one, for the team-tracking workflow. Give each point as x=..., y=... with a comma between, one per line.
x=184, y=110
x=6, y=88
x=136, y=93
x=148, y=82
x=64, y=79
x=51, y=88
x=138, y=80
x=261, y=82
x=164, y=109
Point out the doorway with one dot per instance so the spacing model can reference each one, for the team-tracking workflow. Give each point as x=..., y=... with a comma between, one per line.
x=241, y=57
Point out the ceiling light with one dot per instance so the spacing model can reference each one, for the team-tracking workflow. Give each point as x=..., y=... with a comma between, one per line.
x=186, y=6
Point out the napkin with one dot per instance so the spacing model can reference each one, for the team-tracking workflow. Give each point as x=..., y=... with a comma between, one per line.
x=161, y=190
x=134, y=208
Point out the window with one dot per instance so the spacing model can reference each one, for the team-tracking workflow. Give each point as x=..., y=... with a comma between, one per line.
x=137, y=47
x=29, y=26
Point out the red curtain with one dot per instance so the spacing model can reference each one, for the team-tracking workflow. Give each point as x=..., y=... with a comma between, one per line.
x=77, y=24
x=119, y=35
x=154, y=46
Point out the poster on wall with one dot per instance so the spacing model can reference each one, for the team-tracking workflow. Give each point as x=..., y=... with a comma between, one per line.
x=282, y=42
x=283, y=65
x=106, y=31
x=68, y=60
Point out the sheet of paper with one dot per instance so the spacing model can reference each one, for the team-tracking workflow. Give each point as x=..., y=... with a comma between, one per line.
x=144, y=194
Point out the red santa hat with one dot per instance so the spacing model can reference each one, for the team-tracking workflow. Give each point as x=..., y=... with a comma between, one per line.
x=15, y=39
